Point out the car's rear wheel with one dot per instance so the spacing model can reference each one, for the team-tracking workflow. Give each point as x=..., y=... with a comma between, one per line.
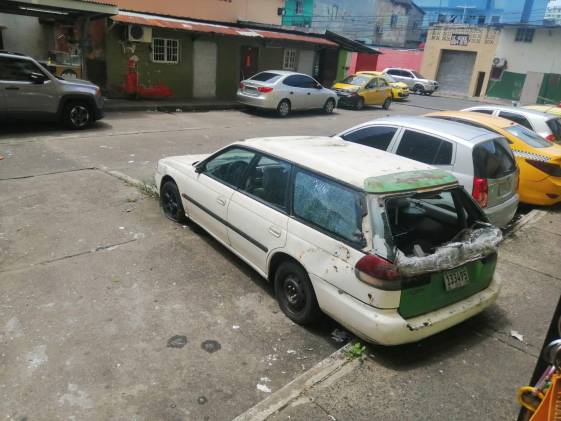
x=386, y=104
x=359, y=103
x=418, y=89
x=77, y=115
x=295, y=293
x=170, y=200
x=329, y=106
x=283, y=109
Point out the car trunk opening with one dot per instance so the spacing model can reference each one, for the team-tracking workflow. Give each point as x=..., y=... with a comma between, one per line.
x=440, y=244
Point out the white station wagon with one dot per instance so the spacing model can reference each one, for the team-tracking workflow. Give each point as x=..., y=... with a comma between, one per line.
x=394, y=250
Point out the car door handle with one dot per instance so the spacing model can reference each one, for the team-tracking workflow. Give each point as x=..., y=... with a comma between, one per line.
x=291, y=93
x=275, y=231
x=309, y=93
x=12, y=88
x=221, y=201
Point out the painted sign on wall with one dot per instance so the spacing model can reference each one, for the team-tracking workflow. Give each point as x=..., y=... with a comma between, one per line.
x=459, y=39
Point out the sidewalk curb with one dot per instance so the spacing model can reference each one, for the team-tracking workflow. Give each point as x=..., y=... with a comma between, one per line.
x=168, y=108
x=297, y=387
x=529, y=219
x=147, y=188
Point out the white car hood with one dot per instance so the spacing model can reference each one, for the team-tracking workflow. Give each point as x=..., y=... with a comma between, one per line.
x=182, y=161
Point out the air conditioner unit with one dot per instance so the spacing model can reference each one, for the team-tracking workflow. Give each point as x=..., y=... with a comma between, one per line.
x=499, y=62
x=137, y=33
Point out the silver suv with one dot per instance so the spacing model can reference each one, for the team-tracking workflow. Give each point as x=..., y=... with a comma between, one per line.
x=29, y=91
x=416, y=82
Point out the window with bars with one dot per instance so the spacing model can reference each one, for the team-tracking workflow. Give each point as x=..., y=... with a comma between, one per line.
x=289, y=59
x=165, y=50
x=524, y=35
x=299, y=7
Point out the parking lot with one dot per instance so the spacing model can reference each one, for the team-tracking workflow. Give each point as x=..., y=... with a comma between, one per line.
x=110, y=311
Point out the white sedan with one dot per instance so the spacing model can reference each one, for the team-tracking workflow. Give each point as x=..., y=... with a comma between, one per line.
x=285, y=91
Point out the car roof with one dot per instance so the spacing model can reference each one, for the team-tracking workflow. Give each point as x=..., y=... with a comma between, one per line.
x=456, y=132
x=282, y=72
x=484, y=119
x=348, y=162
x=370, y=73
x=518, y=110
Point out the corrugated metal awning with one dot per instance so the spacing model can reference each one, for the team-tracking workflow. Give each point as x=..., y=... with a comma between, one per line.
x=60, y=8
x=211, y=28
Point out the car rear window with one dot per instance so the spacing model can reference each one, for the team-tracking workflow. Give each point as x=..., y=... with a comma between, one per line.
x=493, y=159
x=266, y=77
x=528, y=136
x=555, y=125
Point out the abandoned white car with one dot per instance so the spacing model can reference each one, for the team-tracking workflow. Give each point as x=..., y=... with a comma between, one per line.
x=393, y=249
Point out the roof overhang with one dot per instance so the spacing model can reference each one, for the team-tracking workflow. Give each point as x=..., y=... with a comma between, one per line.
x=68, y=9
x=217, y=28
x=349, y=44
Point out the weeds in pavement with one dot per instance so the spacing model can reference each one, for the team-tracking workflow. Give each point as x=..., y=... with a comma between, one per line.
x=356, y=350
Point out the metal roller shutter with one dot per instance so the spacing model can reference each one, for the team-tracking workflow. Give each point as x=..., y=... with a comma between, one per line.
x=455, y=70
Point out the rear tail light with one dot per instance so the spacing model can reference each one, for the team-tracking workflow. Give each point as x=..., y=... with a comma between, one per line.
x=550, y=169
x=480, y=191
x=378, y=272
x=264, y=89
x=242, y=85
x=550, y=137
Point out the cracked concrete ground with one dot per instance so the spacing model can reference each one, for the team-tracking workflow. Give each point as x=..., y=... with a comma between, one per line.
x=95, y=282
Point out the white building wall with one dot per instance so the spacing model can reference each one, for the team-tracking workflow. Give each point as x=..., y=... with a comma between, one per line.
x=542, y=55
x=24, y=34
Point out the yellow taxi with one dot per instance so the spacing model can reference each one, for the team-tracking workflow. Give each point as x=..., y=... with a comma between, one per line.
x=539, y=161
x=359, y=90
x=400, y=90
x=549, y=109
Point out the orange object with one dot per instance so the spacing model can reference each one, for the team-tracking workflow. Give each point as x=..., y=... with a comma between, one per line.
x=550, y=407
x=1, y=157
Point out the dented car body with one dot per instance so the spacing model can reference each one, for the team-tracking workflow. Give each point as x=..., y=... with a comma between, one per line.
x=393, y=249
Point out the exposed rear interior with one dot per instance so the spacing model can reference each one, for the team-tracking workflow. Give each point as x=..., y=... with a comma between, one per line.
x=422, y=222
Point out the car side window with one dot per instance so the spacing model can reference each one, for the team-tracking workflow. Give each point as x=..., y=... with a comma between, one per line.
x=329, y=206
x=378, y=137
x=293, y=81
x=382, y=83
x=17, y=70
x=230, y=166
x=405, y=73
x=523, y=121
x=372, y=84
x=268, y=180
x=483, y=111
x=392, y=72
x=425, y=148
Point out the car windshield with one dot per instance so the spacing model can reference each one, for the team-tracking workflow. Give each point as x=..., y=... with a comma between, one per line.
x=356, y=80
x=417, y=74
x=389, y=79
x=555, y=125
x=418, y=223
x=528, y=137
x=266, y=77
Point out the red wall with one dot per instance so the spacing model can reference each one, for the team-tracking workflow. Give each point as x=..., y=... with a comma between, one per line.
x=365, y=61
x=408, y=59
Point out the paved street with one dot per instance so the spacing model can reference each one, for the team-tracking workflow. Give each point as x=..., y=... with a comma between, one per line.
x=110, y=311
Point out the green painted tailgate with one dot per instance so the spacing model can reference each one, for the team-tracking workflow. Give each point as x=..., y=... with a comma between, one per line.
x=432, y=296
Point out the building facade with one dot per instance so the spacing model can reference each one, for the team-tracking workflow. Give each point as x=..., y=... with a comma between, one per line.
x=460, y=57
x=480, y=12
x=553, y=15
x=531, y=65
x=392, y=23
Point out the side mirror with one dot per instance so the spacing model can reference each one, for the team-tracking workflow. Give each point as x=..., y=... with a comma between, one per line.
x=319, y=86
x=199, y=167
x=37, y=78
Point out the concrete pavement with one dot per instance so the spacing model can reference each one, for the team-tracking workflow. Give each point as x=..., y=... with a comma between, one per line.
x=106, y=307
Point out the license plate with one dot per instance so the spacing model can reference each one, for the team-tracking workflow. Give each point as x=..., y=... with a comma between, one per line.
x=456, y=278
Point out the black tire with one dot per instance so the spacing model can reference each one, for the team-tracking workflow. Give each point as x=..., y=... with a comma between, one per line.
x=427, y=93
x=78, y=115
x=359, y=104
x=418, y=89
x=283, y=109
x=170, y=201
x=329, y=106
x=386, y=104
x=295, y=294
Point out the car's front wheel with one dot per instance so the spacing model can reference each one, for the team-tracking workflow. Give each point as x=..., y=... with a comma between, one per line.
x=170, y=200
x=386, y=104
x=283, y=109
x=359, y=104
x=418, y=89
x=329, y=106
x=295, y=293
x=78, y=115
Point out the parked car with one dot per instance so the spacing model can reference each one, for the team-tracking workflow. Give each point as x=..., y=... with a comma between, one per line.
x=548, y=109
x=400, y=90
x=539, y=160
x=31, y=92
x=359, y=90
x=344, y=229
x=480, y=160
x=416, y=82
x=285, y=92
x=546, y=125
